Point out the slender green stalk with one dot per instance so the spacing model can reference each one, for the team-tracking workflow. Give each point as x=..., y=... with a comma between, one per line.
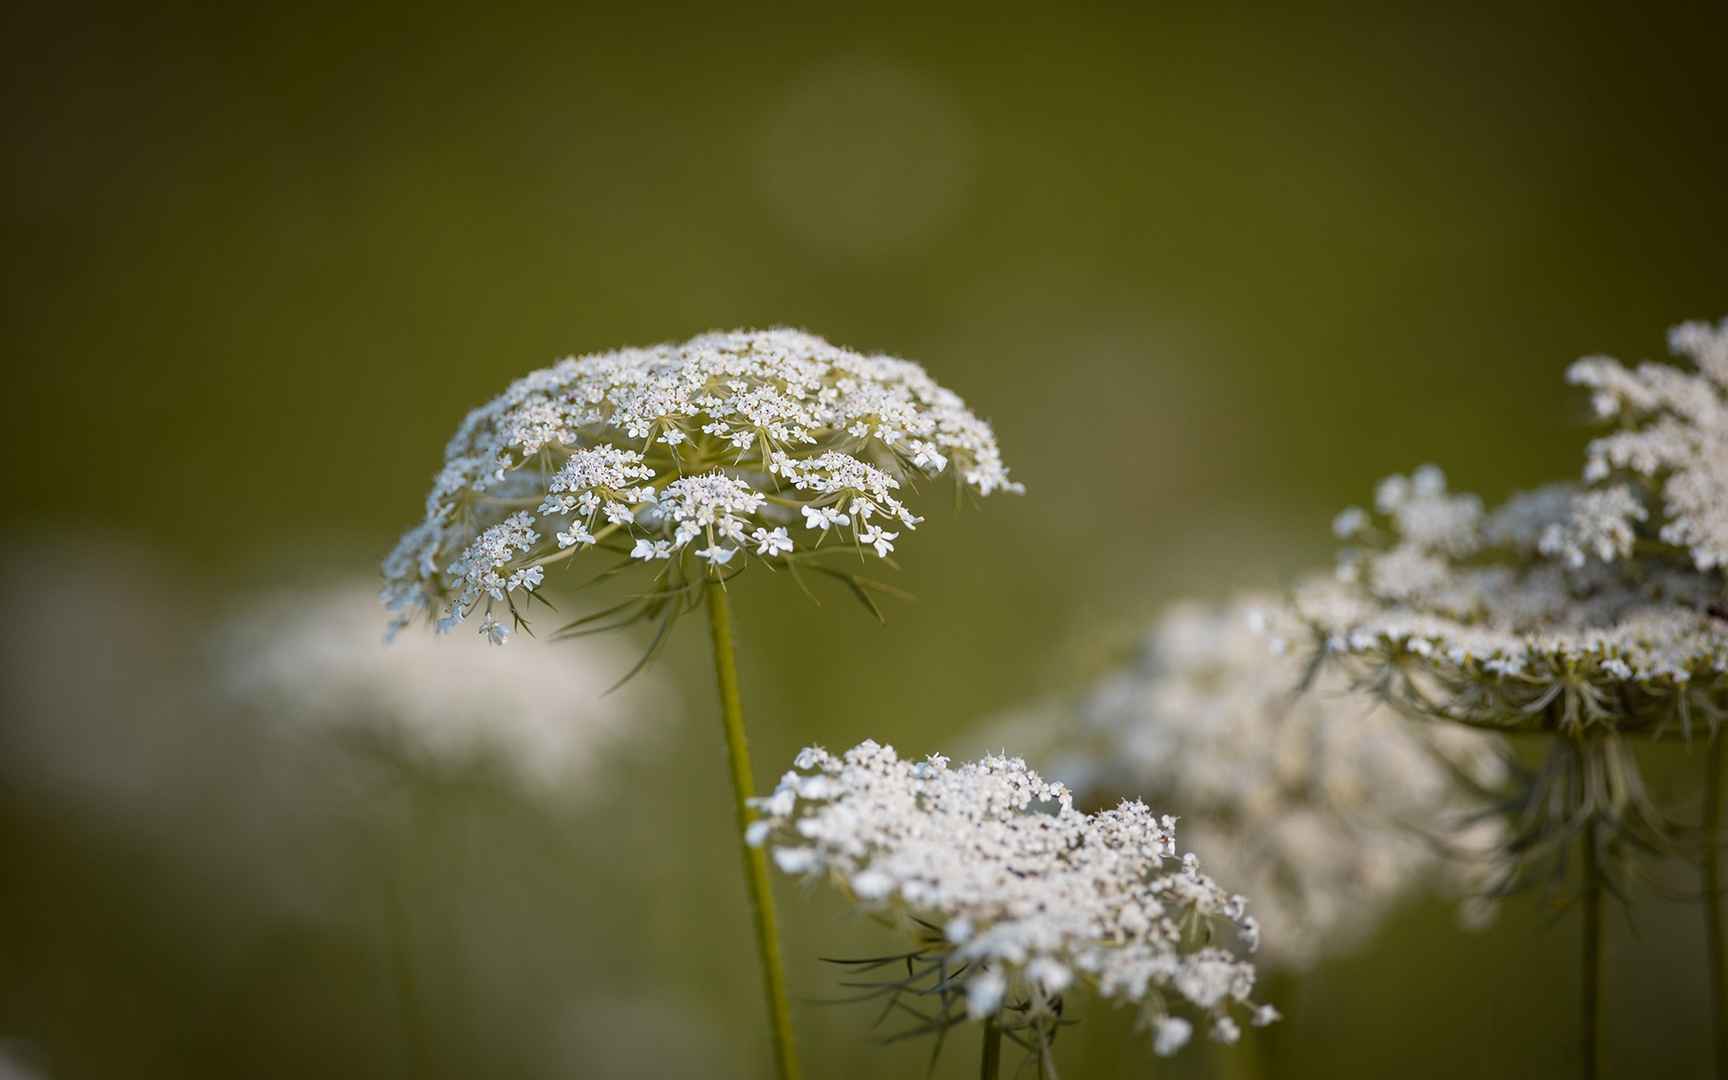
x=990, y=1063
x=1715, y=931
x=1590, y=1037
x=755, y=864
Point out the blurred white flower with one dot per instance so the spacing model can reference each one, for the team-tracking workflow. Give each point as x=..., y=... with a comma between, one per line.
x=1325, y=807
x=15, y=1062
x=1673, y=438
x=320, y=662
x=771, y=425
x=1028, y=893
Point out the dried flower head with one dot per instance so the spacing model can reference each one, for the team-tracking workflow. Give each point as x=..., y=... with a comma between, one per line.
x=1021, y=895
x=694, y=459
x=320, y=663
x=1325, y=806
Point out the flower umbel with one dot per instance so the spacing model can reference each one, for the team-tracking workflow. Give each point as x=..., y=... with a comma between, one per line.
x=1591, y=615
x=1507, y=620
x=1326, y=806
x=694, y=459
x=1019, y=896
x=320, y=664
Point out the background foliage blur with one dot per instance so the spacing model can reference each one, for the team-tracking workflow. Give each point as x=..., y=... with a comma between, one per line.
x=1211, y=275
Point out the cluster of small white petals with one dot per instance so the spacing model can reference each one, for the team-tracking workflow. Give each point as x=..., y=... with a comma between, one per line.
x=1325, y=806
x=481, y=569
x=1426, y=515
x=1673, y=437
x=1033, y=894
x=1538, y=601
x=319, y=663
x=845, y=483
x=727, y=447
x=1572, y=612
x=1600, y=526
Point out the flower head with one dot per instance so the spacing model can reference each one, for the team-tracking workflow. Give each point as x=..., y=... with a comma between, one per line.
x=1022, y=896
x=1590, y=613
x=1326, y=807
x=710, y=450
x=1510, y=619
x=319, y=663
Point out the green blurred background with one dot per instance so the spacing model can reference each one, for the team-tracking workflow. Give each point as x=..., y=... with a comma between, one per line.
x=1210, y=275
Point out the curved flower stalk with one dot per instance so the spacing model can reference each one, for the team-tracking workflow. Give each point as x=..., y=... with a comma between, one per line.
x=1327, y=807
x=319, y=663
x=1593, y=614
x=690, y=463
x=1015, y=897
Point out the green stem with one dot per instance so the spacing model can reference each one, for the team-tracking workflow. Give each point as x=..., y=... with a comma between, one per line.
x=1591, y=972
x=1715, y=932
x=755, y=864
x=990, y=1064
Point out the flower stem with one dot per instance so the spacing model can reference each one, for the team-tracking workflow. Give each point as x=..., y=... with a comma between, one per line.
x=990, y=1064
x=1591, y=973
x=755, y=864
x=1715, y=931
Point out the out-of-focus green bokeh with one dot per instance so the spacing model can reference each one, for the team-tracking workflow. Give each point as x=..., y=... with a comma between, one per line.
x=1211, y=274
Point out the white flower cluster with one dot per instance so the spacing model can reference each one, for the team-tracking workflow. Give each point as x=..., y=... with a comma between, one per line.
x=1568, y=607
x=728, y=445
x=1591, y=613
x=1325, y=806
x=1031, y=895
x=1493, y=617
x=1673, y=438
x=321, y=664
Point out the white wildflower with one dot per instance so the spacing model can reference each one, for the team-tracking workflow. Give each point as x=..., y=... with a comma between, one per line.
x=1349, y=522
x=1035, y=895
x=705, y=448
x=1582, y=613
x=880, y=539
x=1170, y=1034
x=771, y=542
x=495, y=632
x=984, y=993
x=1600, y=526
x=1529, y=607
x=319, y=664
x=1316, y=804
x=577, y=533
x=822, y=517
x=717, y=555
